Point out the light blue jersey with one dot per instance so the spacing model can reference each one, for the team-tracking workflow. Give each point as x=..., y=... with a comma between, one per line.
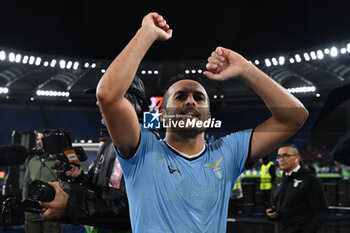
x=169, y=193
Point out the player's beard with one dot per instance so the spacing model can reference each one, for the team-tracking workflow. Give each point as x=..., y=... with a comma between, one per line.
x=188, y=113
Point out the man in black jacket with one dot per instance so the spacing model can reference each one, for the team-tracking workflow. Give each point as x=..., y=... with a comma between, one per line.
x=298, y=199
x=100, y=199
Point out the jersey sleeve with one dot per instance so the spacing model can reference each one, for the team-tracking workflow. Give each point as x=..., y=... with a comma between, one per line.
x=239, y=145
x=132, y=165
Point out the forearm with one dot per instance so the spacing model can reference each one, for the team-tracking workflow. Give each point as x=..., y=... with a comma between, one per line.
x=119, y=75
x=283, y=106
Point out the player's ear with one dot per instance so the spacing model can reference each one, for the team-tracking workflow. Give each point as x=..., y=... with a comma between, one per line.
x=163, y=115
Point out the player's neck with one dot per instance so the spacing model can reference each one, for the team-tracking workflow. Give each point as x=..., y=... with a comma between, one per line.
x=190, y=146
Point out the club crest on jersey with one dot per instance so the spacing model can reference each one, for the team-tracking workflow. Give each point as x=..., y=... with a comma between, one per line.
x=296, y=182
x=218, y=172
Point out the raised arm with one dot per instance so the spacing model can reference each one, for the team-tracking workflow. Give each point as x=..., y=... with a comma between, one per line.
x=288, y=113
x=121, y=118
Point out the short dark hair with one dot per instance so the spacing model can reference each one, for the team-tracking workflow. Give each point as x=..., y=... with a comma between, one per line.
x=176, y=79
x=290, y=145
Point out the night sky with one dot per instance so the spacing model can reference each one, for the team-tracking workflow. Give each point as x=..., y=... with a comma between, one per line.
x=100, y=29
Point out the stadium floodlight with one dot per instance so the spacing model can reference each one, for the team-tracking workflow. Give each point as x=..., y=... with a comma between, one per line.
x=51, y=93
x=69, y=64
x=313, y=55
x=320, y=54
x=281, y=60
x=31, y=60
x=4, y=90
x=38, y=61
x=306, y=56
x=11, y=57
x=2, y=55
x=18, y=58
x=297, y=58
x=334, y=52
x=267, y=62
x=304, y=89
x=75, y=65
x=62, y=64
x=274, y=61
x=25, y=59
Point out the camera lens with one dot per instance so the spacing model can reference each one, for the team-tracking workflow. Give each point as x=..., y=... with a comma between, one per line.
x=41, y=191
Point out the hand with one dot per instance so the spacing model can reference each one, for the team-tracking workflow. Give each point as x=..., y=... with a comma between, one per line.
x=224, y=64
x=156, y=21
x=74, y=172
x=271, y=213
x=57, y=207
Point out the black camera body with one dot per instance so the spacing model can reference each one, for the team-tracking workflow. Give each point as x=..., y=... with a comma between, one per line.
x=56, y=146
x=38, y=190
x=42, y=191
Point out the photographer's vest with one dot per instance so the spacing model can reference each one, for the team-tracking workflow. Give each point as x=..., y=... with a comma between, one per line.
x=265, y=181
x=238, y=185
x=237, y=191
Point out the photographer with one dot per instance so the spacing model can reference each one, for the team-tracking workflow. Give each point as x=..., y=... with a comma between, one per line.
x=101, y=197
x=37, y=170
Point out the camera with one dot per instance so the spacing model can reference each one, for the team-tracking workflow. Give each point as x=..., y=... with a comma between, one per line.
x=56, y=146
x=42, y=191
x=38, y=190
